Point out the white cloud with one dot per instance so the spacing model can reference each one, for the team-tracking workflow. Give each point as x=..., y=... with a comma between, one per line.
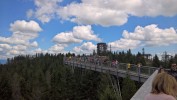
x=85, y=33
x=25, y=27
x=89, y=14
x=22, y=32
x=5, y=46
x=66, y=38
x=155, y=8
x=1, y=49
x=19, y=47
x=115, y=12
x=22, y=39
x=38, y=50
x=57, y=48
x=34, y=44
x=10, y=51
x=30, y=13
x=45, y=10
x=149, y=35
x=124, y=44
x=15, y=40
x=85, y=48
x=15, y=52
x=152, y=35
x=78, y=34
x=102, y=12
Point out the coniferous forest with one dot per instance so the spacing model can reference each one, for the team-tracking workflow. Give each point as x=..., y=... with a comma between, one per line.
x=45, y=77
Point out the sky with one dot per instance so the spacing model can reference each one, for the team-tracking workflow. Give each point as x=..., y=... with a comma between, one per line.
x=76, y=26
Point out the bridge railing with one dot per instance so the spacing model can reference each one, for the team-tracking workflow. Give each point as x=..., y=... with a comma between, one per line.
x=143, y=70
x=146, y=70
x=122, y=66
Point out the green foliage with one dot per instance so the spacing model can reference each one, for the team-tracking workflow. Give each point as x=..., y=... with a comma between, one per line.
x=5, y=88
x=105, y=91
x=45, y=77
x=108, y=94
x=127, y=57
x=128, y=88
x=156, y=62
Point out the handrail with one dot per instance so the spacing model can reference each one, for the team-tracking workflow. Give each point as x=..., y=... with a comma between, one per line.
x=116, y=69
x=119, y=66
x=145, y=88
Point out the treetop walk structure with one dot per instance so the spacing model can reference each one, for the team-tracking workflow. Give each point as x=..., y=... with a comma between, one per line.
x=135, y=72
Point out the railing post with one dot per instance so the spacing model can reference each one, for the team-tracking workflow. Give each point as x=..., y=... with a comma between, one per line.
x=95, y=67
x=101, y=69
x=149, y=70
x=117, y=68
x=85, y=65
x=109, y=70
x=73, y=63
x=139, y=72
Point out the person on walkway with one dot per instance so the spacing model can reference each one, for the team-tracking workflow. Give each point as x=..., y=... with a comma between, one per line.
x=174, y=67
x=117, y=62
x=128, y=66
x=173, y=70
x=164, y=87
x=161, y=70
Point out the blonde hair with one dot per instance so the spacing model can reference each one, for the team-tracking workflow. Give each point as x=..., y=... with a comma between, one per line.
x=164, y=83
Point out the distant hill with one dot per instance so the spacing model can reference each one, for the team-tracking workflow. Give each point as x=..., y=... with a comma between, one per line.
x=3, y=61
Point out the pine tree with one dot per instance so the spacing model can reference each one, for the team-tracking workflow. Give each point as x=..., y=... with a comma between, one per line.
x=156, y=62
x=128, y=88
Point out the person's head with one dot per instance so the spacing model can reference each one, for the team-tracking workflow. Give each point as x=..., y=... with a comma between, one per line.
x=164, y=83
x=174, y=67
x=161, y=70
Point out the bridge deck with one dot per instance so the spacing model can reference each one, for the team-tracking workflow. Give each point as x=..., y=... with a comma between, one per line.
x=138, y=74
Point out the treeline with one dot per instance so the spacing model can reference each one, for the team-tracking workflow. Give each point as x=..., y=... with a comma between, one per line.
x=128, y=57
x=45, y=77
x=166, y=63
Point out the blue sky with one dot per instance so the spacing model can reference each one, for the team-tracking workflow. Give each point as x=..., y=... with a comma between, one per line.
x=60, y=26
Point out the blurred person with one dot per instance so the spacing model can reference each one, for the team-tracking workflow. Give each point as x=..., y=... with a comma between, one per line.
x=128, y=66
x=161, y=70
x=164, y=87
x=173, y=70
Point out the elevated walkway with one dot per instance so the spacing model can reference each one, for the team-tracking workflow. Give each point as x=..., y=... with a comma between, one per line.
x=138, y=74
x=142, y=74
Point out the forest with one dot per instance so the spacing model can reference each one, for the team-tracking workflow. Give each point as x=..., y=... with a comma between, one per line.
x=45, y=77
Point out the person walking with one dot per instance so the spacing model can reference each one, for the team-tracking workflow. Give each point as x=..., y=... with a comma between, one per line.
x=128, y=66
x=164, y=87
